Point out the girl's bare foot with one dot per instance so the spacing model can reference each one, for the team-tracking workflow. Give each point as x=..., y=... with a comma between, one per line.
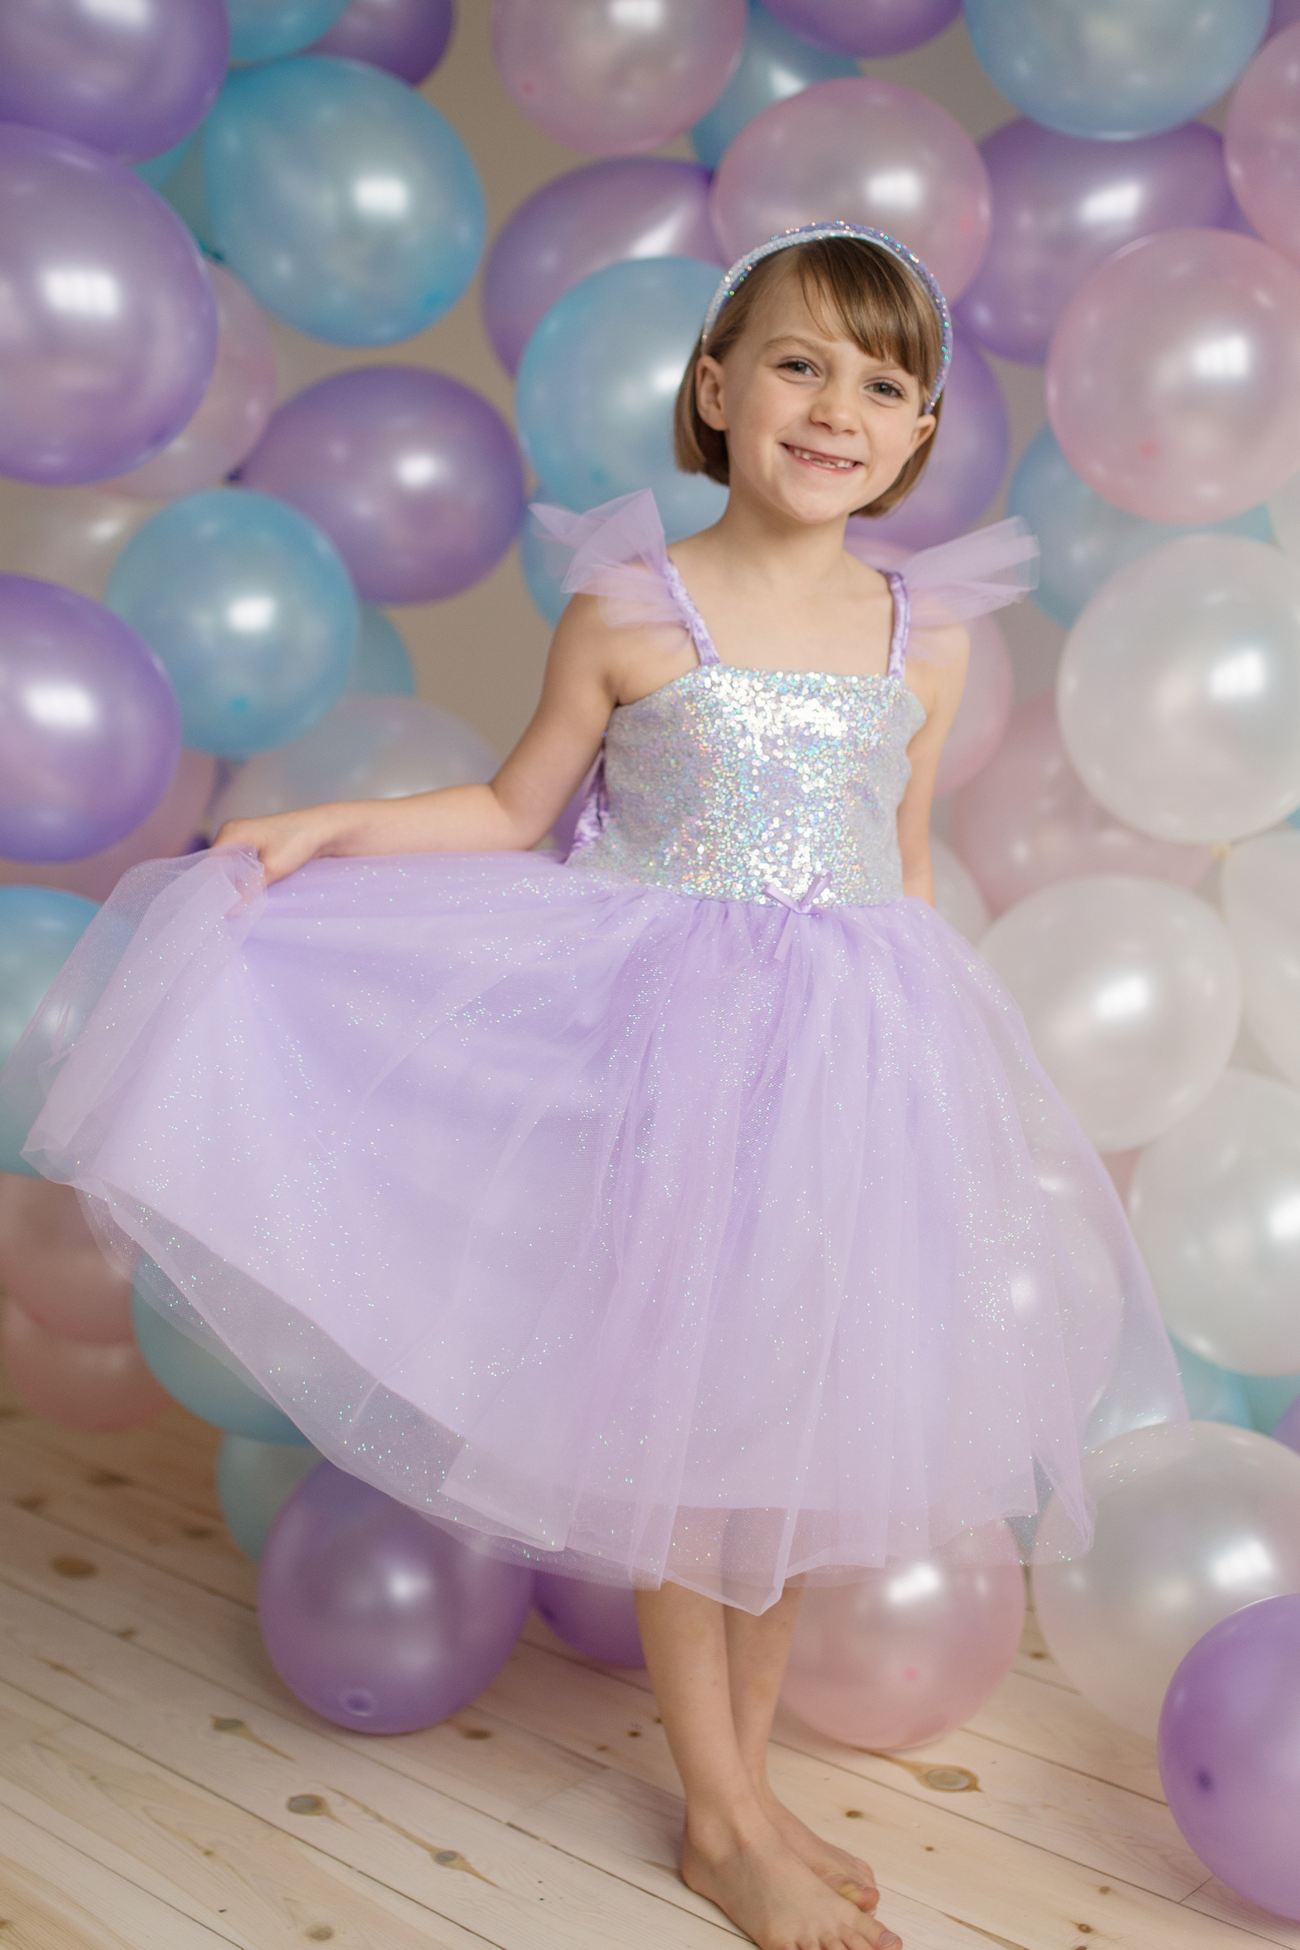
x=849, y=1874
x=776, y=1899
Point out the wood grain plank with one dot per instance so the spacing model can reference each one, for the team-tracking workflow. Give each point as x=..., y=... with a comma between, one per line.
x=1214, y=1898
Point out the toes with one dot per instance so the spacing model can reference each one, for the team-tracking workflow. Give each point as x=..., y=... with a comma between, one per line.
x=864, y=1895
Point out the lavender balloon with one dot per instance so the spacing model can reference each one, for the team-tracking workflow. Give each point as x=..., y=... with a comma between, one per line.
x=109, y=328
x=866, y=27
x=1287, y=1428
x=414, y=477
x=598, y=1619
x=1228, y=1741
x=373, y=1616
x=970, y=454
x=650, y=206
x=406, y=38
x=90, y=733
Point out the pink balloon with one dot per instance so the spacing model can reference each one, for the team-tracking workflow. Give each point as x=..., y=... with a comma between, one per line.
x=101, y=1389
x=611, y=79
x=1262, y=140
x=870, y=151
x=1027, y=820
x=1173, y=380
x=984, y=711
x=52, y=1268
x=906, y=1655
x=866, y=28
x=231, y=414
x=644, y=206
x=970, y=456
x=169, y=830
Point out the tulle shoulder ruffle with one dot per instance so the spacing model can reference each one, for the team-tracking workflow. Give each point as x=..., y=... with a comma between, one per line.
x=619, y=554
x=955, y=581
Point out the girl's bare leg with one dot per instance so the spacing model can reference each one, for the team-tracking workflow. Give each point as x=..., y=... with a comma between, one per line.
x=732, y=1852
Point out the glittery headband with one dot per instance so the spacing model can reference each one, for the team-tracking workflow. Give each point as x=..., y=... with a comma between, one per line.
x=809, y=233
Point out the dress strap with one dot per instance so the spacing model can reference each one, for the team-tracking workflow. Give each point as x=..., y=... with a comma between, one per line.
x=902, y=622
x=690, y=616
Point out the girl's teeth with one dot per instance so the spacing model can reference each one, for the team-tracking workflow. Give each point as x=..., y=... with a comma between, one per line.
x=822, y=461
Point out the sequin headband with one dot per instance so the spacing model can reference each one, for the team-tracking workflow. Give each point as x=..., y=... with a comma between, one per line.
x=809, y=233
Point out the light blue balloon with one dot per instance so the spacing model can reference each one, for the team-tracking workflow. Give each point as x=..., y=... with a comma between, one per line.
x=345, y=202
x=227, y=1396
x=598, y=381
x=39, y=928
x=774, y=64
x=383, y=666
x=250, y=608
x=1213, y=1394
x=1085, y=538
x=1114, y=69
x=254, y=1481
x=184, y=190
x=1269, y=1396
x=262, y=30
x=157, y=169
x=542, y=575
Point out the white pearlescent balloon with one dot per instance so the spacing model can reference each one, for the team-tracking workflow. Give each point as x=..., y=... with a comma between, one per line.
x=1261, y=899
x=956, y=896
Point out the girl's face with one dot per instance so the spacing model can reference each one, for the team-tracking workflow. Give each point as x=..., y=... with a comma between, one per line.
x=815, y=426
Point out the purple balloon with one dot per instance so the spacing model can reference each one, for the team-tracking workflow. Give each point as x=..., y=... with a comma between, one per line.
x=414, y=478
x=970, y=456
x=1228, y=1746
x=866, y=27
x=90, y=732
x=598, y=1619
x=1287, y=1428
x=376, y=1618
x=108, y=328
x=632, y=206
x=132, y=80
x=406, y=38
x=1285, y=14
x=1061, y=204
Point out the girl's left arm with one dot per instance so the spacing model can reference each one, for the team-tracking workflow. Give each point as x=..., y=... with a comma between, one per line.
x=939, y=686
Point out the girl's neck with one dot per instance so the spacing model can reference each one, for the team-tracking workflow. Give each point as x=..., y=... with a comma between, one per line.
x=762, y=546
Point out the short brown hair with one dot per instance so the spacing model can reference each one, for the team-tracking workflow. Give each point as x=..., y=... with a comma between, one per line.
x=879, y=305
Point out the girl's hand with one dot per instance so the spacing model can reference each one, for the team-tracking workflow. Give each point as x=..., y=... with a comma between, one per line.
x=283, y=842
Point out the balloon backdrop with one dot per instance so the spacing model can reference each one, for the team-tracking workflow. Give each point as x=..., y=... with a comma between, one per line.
x=345, y=202
x=868, y=150
x=906, y=1655
x=376, y=1618
x=171, y=828
x=131, y=80
x=1193, y=1523
x=1179, y=690
x=543, y=573
x=39, y=927
x=611, y=79
x=1108, y=69
x=598, y=1619
x=262, y=30
x=1131, y=994
x=71, y=535
x=984, y=711
x=382, y=667
x=867, y=27
x=52, y=1268
x=774, y=63
x=1285, y=14
x=1173, y=379
x=218, y=1391
x=1262, y=142
x=970, y=455
x=414, y=478
x=1026, y=820
x=1213, y=1394
x=651, y=206
x=1062, y=205
x=1270, y=1397
x=155, y=170
x=110, y=326
x=1228, y=1737
x=597, y=384
x=89, y=729
x=1261, y=899
x=406, y=38
x=254, y=1482
x=101, y=1388
x=1215, y=1205
x=1287, y=1429
x=250, y=610
x=1284, y=513
x=956, y=896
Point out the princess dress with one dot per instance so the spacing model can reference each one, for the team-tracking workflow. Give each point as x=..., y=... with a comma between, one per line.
x=696, y=1209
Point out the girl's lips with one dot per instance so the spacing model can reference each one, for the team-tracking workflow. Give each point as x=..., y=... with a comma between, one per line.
x=826, y=463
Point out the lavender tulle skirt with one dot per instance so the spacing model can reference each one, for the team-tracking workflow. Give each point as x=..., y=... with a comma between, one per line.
x=651, y=1237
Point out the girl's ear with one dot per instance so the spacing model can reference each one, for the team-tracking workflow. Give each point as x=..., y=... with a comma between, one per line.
x=708, y=393
x=921, y=432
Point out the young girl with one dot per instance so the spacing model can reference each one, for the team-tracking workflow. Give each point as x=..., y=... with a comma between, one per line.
x=693, y=1215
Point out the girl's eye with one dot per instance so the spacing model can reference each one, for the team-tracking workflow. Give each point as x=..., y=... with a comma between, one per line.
x=890, y=389
x=790, y=365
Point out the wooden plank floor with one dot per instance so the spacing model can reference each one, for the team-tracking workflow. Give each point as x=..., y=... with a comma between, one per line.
x=160, y=1790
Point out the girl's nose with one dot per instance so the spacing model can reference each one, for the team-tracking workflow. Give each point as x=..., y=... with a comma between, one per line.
x=833, y=408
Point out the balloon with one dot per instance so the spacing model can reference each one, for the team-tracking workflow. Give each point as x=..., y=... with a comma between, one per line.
x=1262, y=142
x=218, y=1391
x=383, y=664
x=254, y=1482
x=1287, y=1429
x=345, y=202
x=1131, y=995
x=774, y=63
x=1284, y=513
x=155, y=170
x=956, y=897
x=170, y=829
x=597, y=385
x=650, y=206
x=88, y=1385
x=39, y=927
x=1062, y=205
x=1108, y=69
x=984, y=711
x=376, y=1618
x=905, y=1656
x=1027, y=820
x=131, y=80
x=1215, y=1205
x=970, y=454
x=51, y=1265
x=871, y=151
x=89, y=729
x=1261, y=901
x=262, y=30
x=1213, y=1394
x=70, y=535
x=1269, y=1397
x=251, y=611
x=414, y=478
x=183, y=190
x=110, y=326
x=233, y=411
x=598, y=1619
x=367, y=748
x=406, y=38
x=868, y=28
x=1285, y=14
x=542, y=575
x=610, y=79
x=1173, y=379
x=1229, y=1734
x=1179, y=690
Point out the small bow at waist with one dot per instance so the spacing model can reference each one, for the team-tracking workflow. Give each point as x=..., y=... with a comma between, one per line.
x=816, y=887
